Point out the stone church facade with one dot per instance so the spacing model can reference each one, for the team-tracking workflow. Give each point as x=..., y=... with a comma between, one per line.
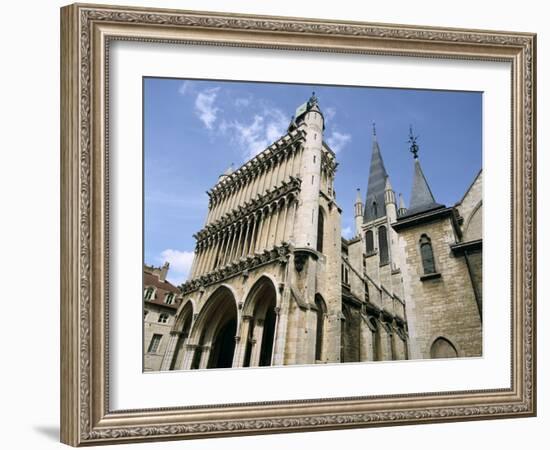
x=273, y=281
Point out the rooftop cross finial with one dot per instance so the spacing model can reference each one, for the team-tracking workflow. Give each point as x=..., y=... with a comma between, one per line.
x=374, y=129
x=412, y=141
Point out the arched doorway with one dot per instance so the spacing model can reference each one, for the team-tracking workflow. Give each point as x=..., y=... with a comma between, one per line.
x=260, y=308
x=183, y=326
x=221, y=354
x=443, y=348
x=215, y=329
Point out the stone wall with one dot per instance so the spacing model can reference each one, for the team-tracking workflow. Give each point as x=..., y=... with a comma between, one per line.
x=443, y=305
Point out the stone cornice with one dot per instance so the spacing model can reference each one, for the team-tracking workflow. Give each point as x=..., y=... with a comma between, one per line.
x=271, y=152
x=279, y=253
x=251, y=207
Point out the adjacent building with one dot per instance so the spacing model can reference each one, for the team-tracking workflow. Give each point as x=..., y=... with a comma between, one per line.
x=160, y=304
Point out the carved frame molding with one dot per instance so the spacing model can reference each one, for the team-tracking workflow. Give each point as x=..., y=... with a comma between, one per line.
x=86, y=31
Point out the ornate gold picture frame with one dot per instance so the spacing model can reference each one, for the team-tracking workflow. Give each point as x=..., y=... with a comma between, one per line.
x=87, y=32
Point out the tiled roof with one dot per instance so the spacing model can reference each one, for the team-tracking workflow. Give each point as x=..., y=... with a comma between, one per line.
x=162, y=288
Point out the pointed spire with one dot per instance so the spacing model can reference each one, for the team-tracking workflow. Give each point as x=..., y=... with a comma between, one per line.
x=388, y=187
x=375, y=200
x=358, y=197
x=422, y=198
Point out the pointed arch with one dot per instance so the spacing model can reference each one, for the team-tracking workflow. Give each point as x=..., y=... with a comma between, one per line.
x=427, y=254
x=369, y=242
x=214, y=330
x=443, y=348
x=383, y=245
x=260, y=310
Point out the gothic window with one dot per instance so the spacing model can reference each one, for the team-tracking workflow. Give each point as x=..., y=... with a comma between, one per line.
x=383, y=245
x=149, y=293
x=169, y=299
x=163, y=318
x=369, y=239
x=427, y=254
x=154, y=344
x=321, y=311
x=374, y=208
x=320, y=231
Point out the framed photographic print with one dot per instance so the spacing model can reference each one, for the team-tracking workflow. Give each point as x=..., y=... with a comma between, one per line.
x=282, y=224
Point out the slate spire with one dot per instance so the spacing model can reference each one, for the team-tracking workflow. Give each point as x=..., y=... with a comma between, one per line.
x=375, y=206
x=422, y=198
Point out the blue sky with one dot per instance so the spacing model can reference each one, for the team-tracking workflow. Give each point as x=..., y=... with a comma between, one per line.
x=194, y=130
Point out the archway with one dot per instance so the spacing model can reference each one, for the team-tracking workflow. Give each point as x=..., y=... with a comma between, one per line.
x=443, y=348
x=215, y=329
x=260, y=308
x=183, y=326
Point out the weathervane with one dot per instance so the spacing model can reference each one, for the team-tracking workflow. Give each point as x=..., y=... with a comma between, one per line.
x=412, y=141
x=313, y=99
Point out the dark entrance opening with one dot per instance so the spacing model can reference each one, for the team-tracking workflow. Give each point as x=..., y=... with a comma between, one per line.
x=224, y=346
x=267, y=337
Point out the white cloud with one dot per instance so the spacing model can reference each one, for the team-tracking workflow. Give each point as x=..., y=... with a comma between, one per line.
x=347, y=232
x=242, y=102
x=180, y=264
x=337, y=141
x=204, y=106
x=255, y=136
x=184, y=87
x=329, y=112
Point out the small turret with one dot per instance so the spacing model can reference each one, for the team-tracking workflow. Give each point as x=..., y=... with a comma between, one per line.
x=389, y=199
x=358, y=212
x=402, y=210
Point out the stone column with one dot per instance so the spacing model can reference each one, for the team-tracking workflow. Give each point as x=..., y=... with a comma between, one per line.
x=251, y=247
x=193, y=265
x=188, y=356
x=273, y=236
x=241, y=341
x=205, y=356
x=267, y=228
x=257, y=342
x=261, y=225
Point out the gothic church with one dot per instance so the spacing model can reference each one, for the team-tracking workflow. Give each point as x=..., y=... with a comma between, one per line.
x=273, y=281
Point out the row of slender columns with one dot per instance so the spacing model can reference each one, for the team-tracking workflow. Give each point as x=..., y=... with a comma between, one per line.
x=264, y=230
x=270, y=174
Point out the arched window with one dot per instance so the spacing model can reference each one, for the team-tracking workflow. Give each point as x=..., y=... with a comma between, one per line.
x=320, y=231
x=383, y=245
x=148, y=295
x=443, y=348
x=374, y=208
x=427, y=254
x=321, y=311
x=369, y=240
